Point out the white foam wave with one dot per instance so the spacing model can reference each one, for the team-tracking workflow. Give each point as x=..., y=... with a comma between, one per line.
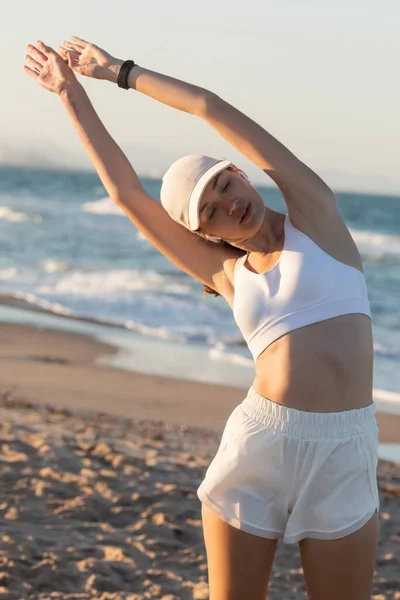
x=237, y=359
x=8, y=214
x=114, y=282
x=387, y=401
x=158, y=332
x=52, y=266
x=105, y=206
x=381, y=244
x=9, y=273
x=59, y=309
x=53, y=307
x=382, y=350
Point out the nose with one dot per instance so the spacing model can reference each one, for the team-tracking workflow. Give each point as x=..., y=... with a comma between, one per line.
x=232, y=208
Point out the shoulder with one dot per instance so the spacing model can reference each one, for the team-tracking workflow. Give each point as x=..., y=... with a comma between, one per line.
x=326, y=228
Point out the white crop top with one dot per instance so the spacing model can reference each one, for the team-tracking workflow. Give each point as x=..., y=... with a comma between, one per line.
x=305, y=286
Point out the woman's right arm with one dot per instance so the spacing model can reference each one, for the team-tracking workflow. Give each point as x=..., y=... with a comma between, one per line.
x=199, y=258
x=110, y=162
x=53, y=74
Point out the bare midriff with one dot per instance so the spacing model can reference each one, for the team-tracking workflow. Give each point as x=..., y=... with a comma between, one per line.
x=323, y=367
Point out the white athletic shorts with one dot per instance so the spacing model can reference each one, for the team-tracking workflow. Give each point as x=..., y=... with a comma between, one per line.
x=283, y=472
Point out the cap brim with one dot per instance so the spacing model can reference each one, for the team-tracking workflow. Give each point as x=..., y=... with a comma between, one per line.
x=198, y=190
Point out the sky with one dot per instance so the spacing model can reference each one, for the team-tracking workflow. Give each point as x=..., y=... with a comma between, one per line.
x=320, y=77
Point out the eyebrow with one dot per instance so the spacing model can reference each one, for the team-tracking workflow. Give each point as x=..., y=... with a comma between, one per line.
x=216, y=179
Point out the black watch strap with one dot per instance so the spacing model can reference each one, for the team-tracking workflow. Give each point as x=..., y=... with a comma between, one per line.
x=123, y=74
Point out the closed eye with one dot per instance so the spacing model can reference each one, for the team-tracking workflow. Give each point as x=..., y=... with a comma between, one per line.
x=213, y=211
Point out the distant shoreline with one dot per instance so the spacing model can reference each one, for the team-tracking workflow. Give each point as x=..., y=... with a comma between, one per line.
x=260, y=184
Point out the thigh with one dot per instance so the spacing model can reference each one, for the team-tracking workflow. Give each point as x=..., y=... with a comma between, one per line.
x=342, y=568
x=239, y=563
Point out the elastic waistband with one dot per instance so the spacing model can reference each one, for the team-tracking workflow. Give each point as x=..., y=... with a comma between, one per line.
x=308, y=425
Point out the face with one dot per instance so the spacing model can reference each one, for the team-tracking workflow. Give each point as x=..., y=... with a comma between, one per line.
x=230, y=207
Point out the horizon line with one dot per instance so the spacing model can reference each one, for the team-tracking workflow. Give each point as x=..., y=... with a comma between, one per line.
x=93, y=171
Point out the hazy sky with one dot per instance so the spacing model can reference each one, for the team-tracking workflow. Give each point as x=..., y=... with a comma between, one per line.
x=321, y=77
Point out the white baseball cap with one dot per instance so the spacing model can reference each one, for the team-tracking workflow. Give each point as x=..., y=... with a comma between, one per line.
x=183, y=186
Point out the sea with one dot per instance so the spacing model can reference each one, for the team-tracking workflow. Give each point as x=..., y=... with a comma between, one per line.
x=72, y=260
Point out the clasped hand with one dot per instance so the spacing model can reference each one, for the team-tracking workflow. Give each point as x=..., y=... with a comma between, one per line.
x=54, y=71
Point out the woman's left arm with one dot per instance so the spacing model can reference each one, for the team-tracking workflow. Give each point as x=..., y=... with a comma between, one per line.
x=303, y=190
x=299, y=184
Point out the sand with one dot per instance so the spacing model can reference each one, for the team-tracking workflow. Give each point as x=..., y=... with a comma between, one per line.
x=99, y=469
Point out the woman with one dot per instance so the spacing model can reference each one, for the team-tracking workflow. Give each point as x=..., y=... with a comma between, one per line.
x=298, y=456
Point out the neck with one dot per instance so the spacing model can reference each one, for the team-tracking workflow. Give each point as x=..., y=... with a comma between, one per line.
x=268, y=237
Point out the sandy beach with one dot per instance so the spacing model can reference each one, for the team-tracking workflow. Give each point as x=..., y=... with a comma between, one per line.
x=99, y=470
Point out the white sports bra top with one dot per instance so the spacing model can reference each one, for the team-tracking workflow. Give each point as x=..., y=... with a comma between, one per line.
x=305, y=286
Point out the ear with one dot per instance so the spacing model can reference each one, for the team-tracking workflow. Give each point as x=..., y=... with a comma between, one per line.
x=212, y=238
x=240, y=172
x=243, y=174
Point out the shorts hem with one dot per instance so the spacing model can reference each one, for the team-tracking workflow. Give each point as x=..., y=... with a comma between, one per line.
x=330, y=535
x=246, y=527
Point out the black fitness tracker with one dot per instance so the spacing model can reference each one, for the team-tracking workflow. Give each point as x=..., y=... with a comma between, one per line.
x=123, y=74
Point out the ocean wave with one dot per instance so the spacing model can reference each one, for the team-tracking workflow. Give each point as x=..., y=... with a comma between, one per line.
x=157, y=314
x=53, y=266
x=104, y=206
x=161, y=333
x=10, y=273
x=8, y=214
x=48, y=306
x=375, y=245
x=387, y=400
x=113, y=282
x=385, y=351
x=222, y=353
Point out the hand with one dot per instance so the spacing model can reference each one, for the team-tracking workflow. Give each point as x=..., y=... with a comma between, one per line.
x=48, y=68
x=90, y=60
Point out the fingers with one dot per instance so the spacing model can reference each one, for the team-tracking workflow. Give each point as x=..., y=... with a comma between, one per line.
x=63, y=53
x=36, y=61
x=31, y=72
x=70, y=57
x=37, y=54
x=46, y=50
x=79, y=41
x=73, y=46
x=43, y=46
x=41, y=52
x=34, y=64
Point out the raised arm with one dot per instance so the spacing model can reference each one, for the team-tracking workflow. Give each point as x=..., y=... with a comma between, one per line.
x=113, y=167
x=194, y=255
x=303, y=190
x=88, y=59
